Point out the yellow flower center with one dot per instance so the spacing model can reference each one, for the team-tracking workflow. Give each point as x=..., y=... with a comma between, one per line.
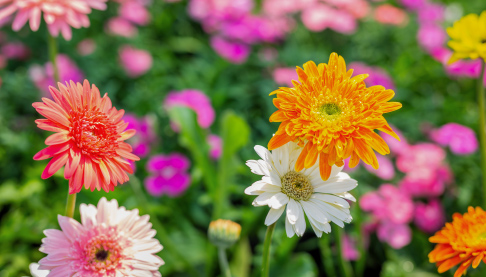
x=297, y=186
x=330, y=110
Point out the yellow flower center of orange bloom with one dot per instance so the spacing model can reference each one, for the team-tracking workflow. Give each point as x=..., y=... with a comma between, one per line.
x=330, y=111
x=297, y=186
x=94, y=133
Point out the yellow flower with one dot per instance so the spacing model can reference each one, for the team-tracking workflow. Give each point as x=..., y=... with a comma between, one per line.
x=468, y=36
x=461, y=242
x=332, y=116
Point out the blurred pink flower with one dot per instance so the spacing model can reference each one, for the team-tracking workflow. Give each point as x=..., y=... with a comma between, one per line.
x=388, y=14
x=426, y=181
x=413, y=4
x=268, y=54
x=109, y=241
x=136, y=62
x=202, y=9
x=15, y=51
x=348, y=249
x=43, y=76
x=135, y=12
x=343, y=22
x=195, y=100
x=285, y=75
x=86, y=47
x=60, y=15
x=431, y=36
x=421, y=155
x=386, y=171
x=144, y=136
x=232, y=51
x=284, y=7
x=396, y=235
x=429, y=217
x=3, y=62
x=168, y=175
x=377, y=76
x=431, y=12
x=215, y=146
x=461, y=139
x=389, y=204
x=317, y=17
x=120, y=27
x=397, y=147
x=358, y=8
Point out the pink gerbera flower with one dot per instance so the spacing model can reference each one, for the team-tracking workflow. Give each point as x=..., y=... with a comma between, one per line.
x=109, y=241
x=88, y=140
x=60, y=15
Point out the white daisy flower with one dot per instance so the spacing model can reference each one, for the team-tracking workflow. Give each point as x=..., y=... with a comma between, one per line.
x=304, y=192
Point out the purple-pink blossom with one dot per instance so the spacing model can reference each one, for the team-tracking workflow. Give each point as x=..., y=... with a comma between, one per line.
x=348, y=249
x=377, y=76
x=429, y=217
x=234, y=52
x=136, y=62
x=195, y=100
x=168, y=175
x=215, y=146
x=285, y=75
x=144, y=137
x=460, y=139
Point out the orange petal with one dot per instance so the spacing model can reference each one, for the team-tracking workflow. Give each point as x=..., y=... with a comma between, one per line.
x=312, y=155
x=300, y=164
x=278, y=140
x=278, y=116
x=324, y=167
x=448, y=264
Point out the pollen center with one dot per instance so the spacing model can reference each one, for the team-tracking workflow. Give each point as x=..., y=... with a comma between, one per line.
x=329, y=111
x=297, y=186
x=101, y=255
x=94, y=133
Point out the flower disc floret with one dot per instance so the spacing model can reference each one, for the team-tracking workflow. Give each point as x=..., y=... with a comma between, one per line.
x=333, y=116
x=297, y=186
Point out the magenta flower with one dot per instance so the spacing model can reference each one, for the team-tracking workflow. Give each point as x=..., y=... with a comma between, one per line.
x=429, y=217
x=59, y=15
x=144, y=136
x=413, y=4
x=43, y=76
x=377, y=76
x=234, y=52
x=136, y=62
x=195, y=100
x=285, y=75
x=426, y=181
x=119, y=26
x=135, y=12
x=431, y=12
x=461, y=139
x=215, y=146
x=15, y=51
x=386, y=171
x=396, y=235
x=421, y=155
x=168, y=175
x=109, y=241
x=431, y=36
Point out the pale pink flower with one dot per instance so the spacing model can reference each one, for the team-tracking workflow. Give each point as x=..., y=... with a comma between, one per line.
x=396, y=235
x=377, y=76
x=121, y=27
x=318, y=17
x=429, y=217
x=109, y=241
x=285, y=75
x=343, y=22
x=168, y=175
x=431, y=36
x=234, y=52
x=421, y=155
x=388, y=14
x=348, y=249
x=397, y=147
x=461, y=139
x=15, y=51
x=135, y=12
x=413, y=4
x=386, y=171
x=358, y=8
x=426, y=181
x=268, y=54
x=195, y=100
x=136, y=62
x=431, y=12
x=215, y=146
x=86, y=47
x=202, y=9
x=59, y=15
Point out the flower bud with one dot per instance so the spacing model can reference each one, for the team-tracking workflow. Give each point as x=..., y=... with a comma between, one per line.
x=224, y=233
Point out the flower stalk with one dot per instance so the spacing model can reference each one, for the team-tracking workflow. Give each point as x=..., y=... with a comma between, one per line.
x=223, y=262
x=344, y=266
x=326, y=255
x=266, y=250
x=70, y=205
x=482, y=128
x=52, y=45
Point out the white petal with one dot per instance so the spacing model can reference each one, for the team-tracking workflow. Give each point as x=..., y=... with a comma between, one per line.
x=263, y=199
x=263, y=153
x=258, y=167
x=289, y=228
x=278, y=200
x=260, y=187
x=273, y=215
x=316, y=230
x=332, y=199
x=312, y=210
x=300, y=224
x=339, y=186
x=347, y=196
x=293, y=211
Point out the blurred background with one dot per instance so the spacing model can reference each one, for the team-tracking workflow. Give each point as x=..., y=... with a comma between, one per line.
x=221, y=59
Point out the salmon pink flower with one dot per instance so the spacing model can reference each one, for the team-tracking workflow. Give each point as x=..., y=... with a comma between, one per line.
x=88, y=140
x=109, y=241
x=59, y=15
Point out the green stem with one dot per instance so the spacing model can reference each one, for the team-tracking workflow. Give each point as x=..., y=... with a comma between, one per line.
x=162, y=234
x=361, y=262
x=326, y=255
x=70, y=205
x=52, y=44
x=266, y=250
x=223, y=262
x=482, y=130
x=344, y=266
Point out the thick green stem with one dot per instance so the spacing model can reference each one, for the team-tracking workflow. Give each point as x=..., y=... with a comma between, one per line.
x=223, y=262
x=52, y=43
x=482, y=128
x=162, y=235
x=70, y=205
x=326, y=255
x=266, y=250
x=344, y=266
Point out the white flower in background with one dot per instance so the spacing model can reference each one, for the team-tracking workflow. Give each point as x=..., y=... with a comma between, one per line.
x=110, y=241
x=304, y=192
x=36, y=272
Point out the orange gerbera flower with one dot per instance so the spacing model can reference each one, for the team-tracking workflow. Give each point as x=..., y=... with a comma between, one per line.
x=88, y=140
x=333, y=116
x=462, y=242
